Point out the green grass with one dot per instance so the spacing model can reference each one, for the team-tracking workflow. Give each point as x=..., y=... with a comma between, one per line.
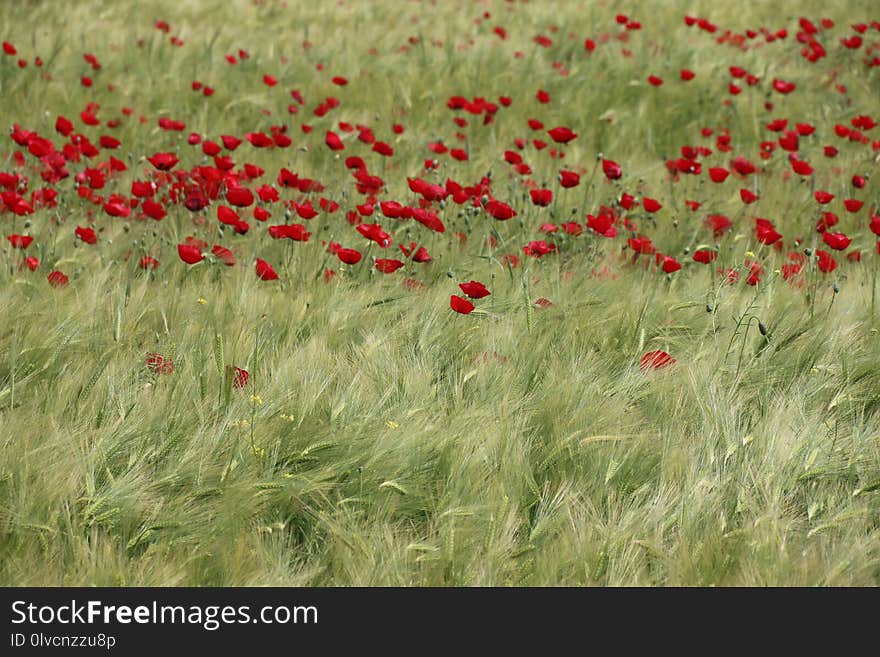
x=384, y=439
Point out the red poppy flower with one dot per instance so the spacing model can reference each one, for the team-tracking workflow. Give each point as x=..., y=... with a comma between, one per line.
x=460, y=305
x=64, y=126
x=57, y=279
x=562, y=135
x=387, y=265
x=240, y=197
x=573, y=228
x=705, y=256
x=538, y=248
x=500, y=210
x=295, y=232
x=224, y=255
x=603, y=224
x=31, y=263
x=765, y=231
x=611, y=169
x=651, y=204
x=239, y=376
x=382, y=148
x=823, y=197
x=420, y=255
x=655, y=360
x=265, y=271
x=227, y=215
x=305, y=210
x=87, y=235
x=782, y=86
x=569, y=179
x=670, y=264
x=375, y=233
x=541, y=197
x=837, y=241
x=718, y=174
x=828, y=220
x=158, y=364
x=718, y=223
x=474, y=289
x=230, y=142
x=20, y=241
x=825, y=262
x=108, y=142
x=348, y=256
x=743, y=166
x=853, y=205
x=789, y=142
x=190, y=254
x=756, y=271
x=805, y=129
x=748, y=196
x=641, y=245
x=428, y=219
x=148, y=262
x=333, y=141
x=163, y=161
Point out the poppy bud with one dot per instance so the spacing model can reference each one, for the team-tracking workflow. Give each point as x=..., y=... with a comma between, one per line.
x=762, y=327
x=709, y=308
x=808, y=252
x=836, y=288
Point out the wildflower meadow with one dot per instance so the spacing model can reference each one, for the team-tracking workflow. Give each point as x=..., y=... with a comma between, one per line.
x=439, y=293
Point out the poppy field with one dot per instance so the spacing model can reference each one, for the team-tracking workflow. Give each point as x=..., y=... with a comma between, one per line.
x=439, y=293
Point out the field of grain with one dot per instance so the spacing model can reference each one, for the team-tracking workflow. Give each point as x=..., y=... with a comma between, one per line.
x=439, y=293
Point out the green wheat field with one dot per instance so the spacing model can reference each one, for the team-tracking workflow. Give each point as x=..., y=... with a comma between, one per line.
x=614, y=413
